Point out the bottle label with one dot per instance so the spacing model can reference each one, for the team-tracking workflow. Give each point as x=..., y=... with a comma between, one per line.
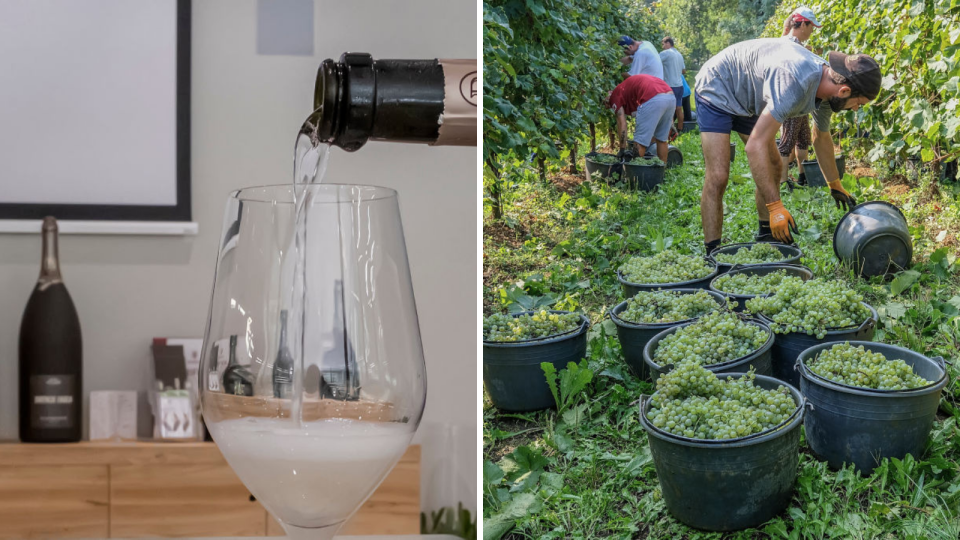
x=458, y=125
x=51, y=401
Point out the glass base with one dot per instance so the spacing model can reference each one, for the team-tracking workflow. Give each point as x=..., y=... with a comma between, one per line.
x=313, y=533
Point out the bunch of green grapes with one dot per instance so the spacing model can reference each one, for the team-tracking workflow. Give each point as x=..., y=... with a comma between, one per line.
x=811, y=307
x=856, y=366
x=718, y=337
x=667, y=306
x=752, y=284
x=605, y=159
x=758, y=253
x=665, y=267
x=501, y=327
x=693, y=402
x=646, y=161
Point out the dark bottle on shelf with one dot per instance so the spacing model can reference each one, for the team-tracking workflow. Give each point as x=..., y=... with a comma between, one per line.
x=415, y=101
x=236, y=378
x=51, y=355
x=283, y=365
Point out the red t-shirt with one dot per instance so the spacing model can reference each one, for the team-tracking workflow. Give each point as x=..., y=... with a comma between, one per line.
x=635, y=91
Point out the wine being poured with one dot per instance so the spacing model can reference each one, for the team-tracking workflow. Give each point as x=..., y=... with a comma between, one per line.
x=313, y=451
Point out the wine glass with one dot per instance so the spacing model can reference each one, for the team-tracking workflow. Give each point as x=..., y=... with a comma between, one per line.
x=312, y=376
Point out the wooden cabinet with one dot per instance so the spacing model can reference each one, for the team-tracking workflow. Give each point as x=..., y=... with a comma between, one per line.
x=59, y=501
x=103, y=490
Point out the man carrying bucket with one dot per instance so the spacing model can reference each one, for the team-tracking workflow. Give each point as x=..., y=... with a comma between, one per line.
x=751, y=88
x=652, y=103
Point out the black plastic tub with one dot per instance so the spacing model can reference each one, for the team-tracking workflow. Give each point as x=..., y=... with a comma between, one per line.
x=630, y=288
x=791, y=255
x=861, y=426
x=873, y=239
x=601, y=171
x=739, y=300
x=511, y=370
x=689, y=125
x=643, y=177
x=728, y=485
x=760, y=359
x=674, y=156
x=811, y=169
x=634, y=336
x=788, y=347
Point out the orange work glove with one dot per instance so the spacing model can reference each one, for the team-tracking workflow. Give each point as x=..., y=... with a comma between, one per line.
x=781, y=222
x=840, y=195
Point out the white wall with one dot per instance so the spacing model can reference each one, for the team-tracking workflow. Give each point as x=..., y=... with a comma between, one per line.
x=246, y=110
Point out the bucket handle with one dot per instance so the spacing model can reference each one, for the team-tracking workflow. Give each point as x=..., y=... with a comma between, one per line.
x=940, y=361
x=867, y=324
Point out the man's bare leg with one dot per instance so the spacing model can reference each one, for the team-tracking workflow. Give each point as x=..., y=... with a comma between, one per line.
x=716, y=156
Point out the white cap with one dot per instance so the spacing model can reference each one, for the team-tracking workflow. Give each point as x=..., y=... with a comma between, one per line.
x=804, y=13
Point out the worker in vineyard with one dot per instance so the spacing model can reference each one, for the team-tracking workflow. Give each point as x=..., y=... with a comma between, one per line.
x=751, y=88
x=641, y=56
x=795, y=134
x=673, y=72
x=651, y=102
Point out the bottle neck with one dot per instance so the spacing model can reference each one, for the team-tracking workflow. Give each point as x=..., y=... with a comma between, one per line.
x=233, y=351
x=50, y=261
x=283, y=332
x=415, y=101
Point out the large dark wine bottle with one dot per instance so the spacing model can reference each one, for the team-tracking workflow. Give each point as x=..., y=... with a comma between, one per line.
x=51, y=355
x=237, y=379
x=415, y=101
x=283, y=365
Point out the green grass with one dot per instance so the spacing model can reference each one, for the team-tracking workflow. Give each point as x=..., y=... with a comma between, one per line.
x=587, y=473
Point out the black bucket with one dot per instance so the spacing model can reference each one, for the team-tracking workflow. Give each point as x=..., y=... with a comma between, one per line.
x=630, y=289
x=811, y=170
x=862, y=426
x=873, y=239
x=643, y=177
x=739, y=300
x=512, y=374
x=760, y=359
x=674, y=157
x=841, y=164
x=791, y=254
x=601, y=171
x=733, y=151
x=634, y=336
x=728, y=486
x=689, y=125
x=788, y=347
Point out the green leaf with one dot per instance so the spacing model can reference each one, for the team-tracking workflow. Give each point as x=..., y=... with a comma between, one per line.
x=495, y=527
x=492, y=473
x=903, y=281
x=954, y=34
x=894, y=310
x=551, y=374
x=521, y=506
x=527, y=460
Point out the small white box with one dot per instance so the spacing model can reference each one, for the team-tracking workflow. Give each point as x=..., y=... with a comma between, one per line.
x=113, y=415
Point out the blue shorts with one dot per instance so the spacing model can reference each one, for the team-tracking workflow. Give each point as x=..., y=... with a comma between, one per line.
x=712, y=120
x=678, y=91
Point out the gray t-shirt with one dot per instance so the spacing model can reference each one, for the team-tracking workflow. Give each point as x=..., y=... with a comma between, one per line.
x=672, y=67
x=646, y=61
x=770, y=74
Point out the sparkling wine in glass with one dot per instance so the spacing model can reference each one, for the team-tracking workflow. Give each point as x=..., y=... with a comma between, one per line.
x=314, y=305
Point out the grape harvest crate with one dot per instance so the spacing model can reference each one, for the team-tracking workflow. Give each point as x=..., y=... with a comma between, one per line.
x=148, y=489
